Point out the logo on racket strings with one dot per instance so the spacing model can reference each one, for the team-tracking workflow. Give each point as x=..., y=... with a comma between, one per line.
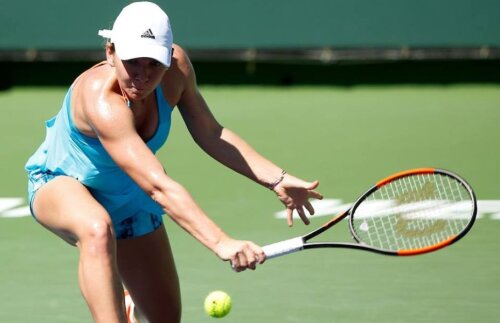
x=413, y=223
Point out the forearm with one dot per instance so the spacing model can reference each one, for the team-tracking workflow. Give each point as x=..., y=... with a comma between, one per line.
x=181, y=207
x=233, y=152
x=145, y=169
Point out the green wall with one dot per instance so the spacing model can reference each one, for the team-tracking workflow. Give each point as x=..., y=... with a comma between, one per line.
x=236, y=24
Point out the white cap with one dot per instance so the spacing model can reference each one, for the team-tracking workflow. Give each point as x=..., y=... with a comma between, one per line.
x=142, y=29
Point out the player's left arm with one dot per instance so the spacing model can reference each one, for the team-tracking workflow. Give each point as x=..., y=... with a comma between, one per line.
x=231, y=150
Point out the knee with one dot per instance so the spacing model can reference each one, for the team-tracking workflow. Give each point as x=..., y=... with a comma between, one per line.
x=97, y=236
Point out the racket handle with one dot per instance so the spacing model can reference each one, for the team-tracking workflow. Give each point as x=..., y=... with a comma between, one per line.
x=283, y=247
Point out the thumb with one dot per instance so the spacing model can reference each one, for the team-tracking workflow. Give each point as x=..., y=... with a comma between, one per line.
x=313, y=185
x=312, y=190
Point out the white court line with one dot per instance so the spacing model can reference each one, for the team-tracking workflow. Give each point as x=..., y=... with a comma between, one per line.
x=330, y=207
x=15, y=207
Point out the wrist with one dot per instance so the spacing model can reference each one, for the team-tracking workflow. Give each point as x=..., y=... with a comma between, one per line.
x=221, y=246
x=272, y=185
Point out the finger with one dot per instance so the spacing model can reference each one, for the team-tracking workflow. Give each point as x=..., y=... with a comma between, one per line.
x=243, y=261
x=289, y=216
x=313, y=185
x=261, y=257
x=247, y=256
x=258, y=253
x=315, y=194
x=234, y=264
x=251, y=260
x=253, y=255
x=309, y=208
x=237, y=268
x=302, y=215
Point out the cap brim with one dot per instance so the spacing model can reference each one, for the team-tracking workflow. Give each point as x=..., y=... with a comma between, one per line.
x=154, y=51
x=105, y=33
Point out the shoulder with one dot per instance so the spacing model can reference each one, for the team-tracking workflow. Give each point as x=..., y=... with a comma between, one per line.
x=96, y=101
x=181, y=68
x=98, y=85
x=94, y=83
x=180, y=78
x=181, y=59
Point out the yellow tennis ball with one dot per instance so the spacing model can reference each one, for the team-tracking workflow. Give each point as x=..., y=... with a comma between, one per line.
x=218, y=304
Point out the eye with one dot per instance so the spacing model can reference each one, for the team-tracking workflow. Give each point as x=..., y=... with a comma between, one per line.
x=155, y=63
x=133, y=62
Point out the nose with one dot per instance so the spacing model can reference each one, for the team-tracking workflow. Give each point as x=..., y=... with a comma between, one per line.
x=142, y=72
x=142, y=75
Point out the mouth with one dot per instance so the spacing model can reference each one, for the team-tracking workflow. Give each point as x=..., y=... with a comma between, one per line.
x=137, y=91
x=136, y=88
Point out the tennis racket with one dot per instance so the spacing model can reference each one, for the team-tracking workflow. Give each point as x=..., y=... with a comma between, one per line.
x=408, y=213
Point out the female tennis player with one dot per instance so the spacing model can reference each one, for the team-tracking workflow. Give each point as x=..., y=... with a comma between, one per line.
x=96, y=183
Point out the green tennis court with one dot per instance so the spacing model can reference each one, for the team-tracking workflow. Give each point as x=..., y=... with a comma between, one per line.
x=348, y=138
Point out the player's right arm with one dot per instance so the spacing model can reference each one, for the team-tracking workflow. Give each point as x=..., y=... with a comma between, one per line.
x=113, y=123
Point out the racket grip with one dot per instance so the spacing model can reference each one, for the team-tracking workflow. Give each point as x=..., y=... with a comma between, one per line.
x=283, y=247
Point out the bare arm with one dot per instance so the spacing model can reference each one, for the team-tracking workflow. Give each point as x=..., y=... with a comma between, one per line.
x=231, y=150
x=114, y=125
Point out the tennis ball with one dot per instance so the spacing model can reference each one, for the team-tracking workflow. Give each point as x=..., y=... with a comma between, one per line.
x=218, y=304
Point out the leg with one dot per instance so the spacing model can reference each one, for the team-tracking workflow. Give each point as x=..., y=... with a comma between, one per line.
x=148, y=270
x=66, y=207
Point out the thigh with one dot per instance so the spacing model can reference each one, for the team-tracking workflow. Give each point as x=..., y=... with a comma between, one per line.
x=64, y=205
x=148, y=271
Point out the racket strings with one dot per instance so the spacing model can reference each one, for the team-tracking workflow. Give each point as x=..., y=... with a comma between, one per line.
x=413, y=212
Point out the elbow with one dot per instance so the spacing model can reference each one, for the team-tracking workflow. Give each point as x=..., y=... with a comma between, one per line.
x=167, y=195
x=161, y=197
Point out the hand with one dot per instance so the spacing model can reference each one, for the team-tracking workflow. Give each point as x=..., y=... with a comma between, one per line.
x=295, y=194
x=241, y=254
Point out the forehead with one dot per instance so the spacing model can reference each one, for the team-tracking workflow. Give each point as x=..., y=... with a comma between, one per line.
x=141, y=60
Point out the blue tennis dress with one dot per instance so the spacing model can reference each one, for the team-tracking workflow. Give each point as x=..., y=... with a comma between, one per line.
x=66, y=151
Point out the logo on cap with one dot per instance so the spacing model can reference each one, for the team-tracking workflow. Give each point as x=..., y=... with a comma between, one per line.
x=148, y=34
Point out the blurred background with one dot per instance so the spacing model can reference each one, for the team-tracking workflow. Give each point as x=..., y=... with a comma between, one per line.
x=344, y=91
x=270, y=42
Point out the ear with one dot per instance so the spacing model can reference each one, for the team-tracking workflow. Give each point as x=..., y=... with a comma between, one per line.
x=110, y=55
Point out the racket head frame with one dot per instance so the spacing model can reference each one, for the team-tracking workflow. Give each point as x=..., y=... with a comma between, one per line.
x=302, y=242
x=410, y=252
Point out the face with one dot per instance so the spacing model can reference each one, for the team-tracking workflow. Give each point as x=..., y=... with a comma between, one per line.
x=138, y=77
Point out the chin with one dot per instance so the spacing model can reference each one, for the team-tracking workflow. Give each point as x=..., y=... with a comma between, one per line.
x=137, y=94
